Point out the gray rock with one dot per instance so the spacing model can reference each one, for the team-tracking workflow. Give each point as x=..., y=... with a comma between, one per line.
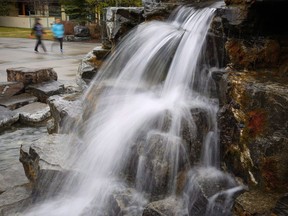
x=34, y=113
x=12, y=177
x=14, y=199
x=170, y=206
x=81, y=31
x=65, y=110
x=7, y=117
x=118, y=21
x=46, y=89
x=31, y=75
x=52, y=150
x=17, y=101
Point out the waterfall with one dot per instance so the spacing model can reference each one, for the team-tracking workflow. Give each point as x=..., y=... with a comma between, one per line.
x=148, y=119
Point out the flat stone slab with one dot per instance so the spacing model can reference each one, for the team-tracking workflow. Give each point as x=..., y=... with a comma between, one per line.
x=14, y=199
x=31, y=75
x=7, y=117
x=8, y=89
x=17, y=101
x=34, y=113
x=44, y=90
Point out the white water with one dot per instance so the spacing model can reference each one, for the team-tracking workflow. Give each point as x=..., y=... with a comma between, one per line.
x=133, y=122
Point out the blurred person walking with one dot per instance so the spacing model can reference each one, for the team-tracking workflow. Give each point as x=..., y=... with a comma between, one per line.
x=38, y=31
x=58, y=33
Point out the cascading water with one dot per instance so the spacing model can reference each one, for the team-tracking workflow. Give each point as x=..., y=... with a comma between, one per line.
x=149, y=121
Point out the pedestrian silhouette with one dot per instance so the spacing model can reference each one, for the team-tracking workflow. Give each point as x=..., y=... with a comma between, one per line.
x=38, y=31
x=58, y=33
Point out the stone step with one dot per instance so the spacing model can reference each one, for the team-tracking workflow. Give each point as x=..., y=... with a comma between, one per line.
x=31, y=75
x=17, y=101
x=46, y=89
x=33, y=113
x=8, y=89
x=7, y=117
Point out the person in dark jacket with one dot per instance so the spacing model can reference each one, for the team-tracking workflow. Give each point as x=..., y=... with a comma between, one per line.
x=38, y=31
x=58, y=32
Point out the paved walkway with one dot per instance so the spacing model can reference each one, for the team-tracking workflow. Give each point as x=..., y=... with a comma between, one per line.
x=15, y=52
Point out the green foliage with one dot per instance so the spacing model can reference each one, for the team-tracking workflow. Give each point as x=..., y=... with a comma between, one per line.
x=78, y=10
x=4, y=8
x=84, y=10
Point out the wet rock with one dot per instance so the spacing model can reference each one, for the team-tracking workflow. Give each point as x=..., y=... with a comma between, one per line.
x=194, y=132
x=100, y=52
x=31, y=75
x=14, y=200
x=65, y=110
x=90, y=65
x=170, y=206
x=257, y=151
x=209, y=191
x=7, y=117
x=281, y=208
x=87, y=69
x=34, y=113
x=118, y=21
x=256, y=202
x=261, y=53
x=30, y=162
x=46, y=89
x=52, y=150
x=158, y=164
x=8, y=89
x=17, y=101
x=12, y=177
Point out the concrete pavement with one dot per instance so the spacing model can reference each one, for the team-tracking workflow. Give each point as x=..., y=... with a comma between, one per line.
x=16, y=52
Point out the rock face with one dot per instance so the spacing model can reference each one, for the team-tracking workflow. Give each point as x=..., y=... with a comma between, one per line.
x=253, y=91
x=118, y=21
x=90, y=65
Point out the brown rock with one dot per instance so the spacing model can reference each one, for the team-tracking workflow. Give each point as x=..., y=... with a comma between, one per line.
x=30, y=162
x=31, y=75
x=8, y=89
x=256, y=54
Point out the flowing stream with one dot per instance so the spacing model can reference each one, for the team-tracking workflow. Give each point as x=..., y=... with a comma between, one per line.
x=149, y=124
